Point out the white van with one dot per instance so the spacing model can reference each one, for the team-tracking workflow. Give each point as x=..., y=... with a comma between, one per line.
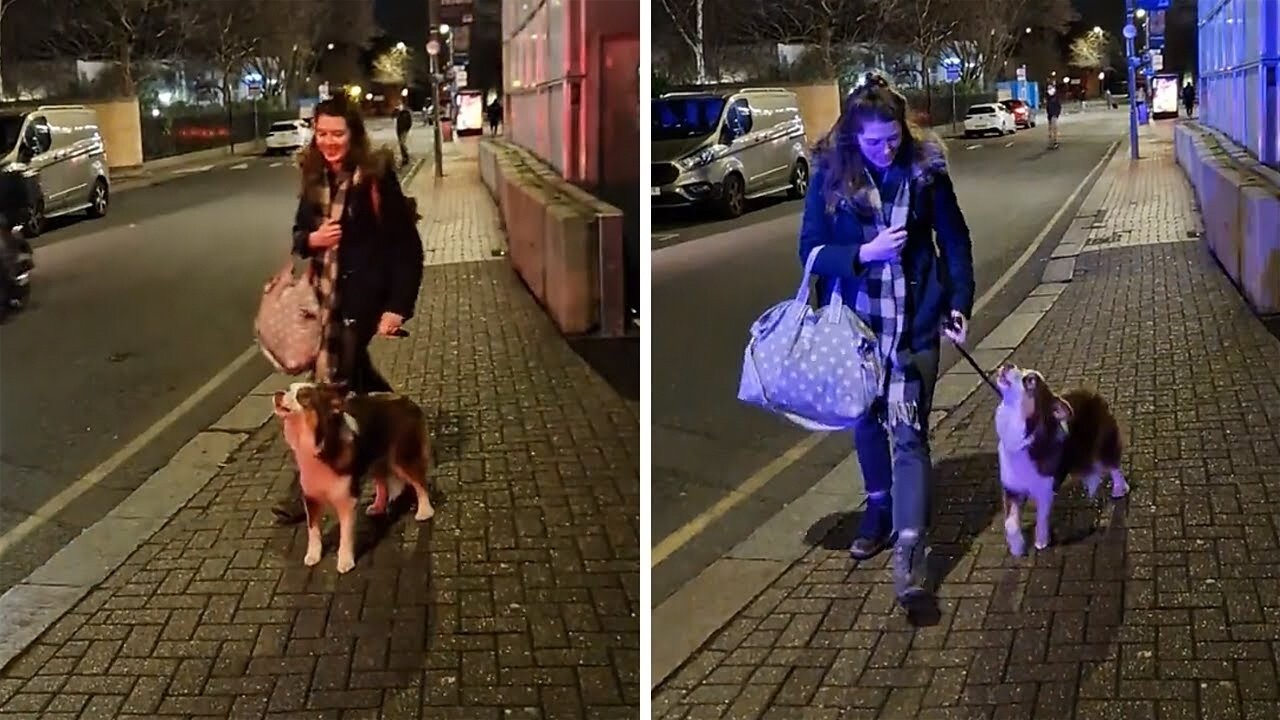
x=721, y=147
x=62, y=147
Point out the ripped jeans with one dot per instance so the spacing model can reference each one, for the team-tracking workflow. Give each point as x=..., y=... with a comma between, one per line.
x=897, y=469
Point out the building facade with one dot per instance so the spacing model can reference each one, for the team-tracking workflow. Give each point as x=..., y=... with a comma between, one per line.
x=571, y=78
x=1239, y=62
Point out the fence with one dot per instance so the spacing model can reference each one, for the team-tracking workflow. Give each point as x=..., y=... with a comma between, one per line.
x=936, y=110
x=170, y=135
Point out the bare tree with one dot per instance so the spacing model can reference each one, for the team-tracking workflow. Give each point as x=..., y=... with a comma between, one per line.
x=134, y=35
x=231, y=34
x=925, y=27
x=298, y=38
x=689, y=17
x=829, y=27
x=393, y=67
x=5, y=5
x=990, y=30
x=1091, y=50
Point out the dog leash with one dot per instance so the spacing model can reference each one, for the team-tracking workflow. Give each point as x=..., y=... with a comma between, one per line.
x=973, y=363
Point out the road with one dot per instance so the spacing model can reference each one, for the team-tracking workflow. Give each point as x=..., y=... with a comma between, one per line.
x=129, y=316
x=710, y=281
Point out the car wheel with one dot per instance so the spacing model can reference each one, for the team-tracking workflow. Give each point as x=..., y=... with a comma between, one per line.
x=733, y=196
x=99, y=199
x=35, y=220
x=799, y=180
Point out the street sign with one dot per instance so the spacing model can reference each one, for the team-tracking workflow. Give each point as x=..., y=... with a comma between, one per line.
x=1022, y=73
x=460, y=76
x=1150, y=5
x=433, y=47
x=953, y=73
x=1157, y=60
x=1130, y=31
x=1155, y=23
x=1156, y=42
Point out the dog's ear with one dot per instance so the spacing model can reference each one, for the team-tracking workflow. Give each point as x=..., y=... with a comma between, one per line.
x=1062, y=410
x=1042, y=426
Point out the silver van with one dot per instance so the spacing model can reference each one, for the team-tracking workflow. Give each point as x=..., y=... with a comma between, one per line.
x=721, y=148
x=61, y=146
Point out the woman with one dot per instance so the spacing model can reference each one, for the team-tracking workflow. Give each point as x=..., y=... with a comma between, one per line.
x=360, y=232
x=880, y=192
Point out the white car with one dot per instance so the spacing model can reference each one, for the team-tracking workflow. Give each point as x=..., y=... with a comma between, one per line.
x=288, y=135
x=989, y=118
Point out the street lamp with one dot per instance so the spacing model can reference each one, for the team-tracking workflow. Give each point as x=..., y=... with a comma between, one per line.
x=1028, y=31
x=1140, y=13
x=330, y=46
x=444, y=29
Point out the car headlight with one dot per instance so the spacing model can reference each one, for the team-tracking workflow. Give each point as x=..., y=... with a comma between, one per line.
x=697, y=160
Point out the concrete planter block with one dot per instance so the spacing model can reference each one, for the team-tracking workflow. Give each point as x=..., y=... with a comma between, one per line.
x=1260, y=254
x=1222, y=217
x=571, y=271
x=528, y=225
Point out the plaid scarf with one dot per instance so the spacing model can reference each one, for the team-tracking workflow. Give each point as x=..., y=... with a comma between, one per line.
x=326, y=269
x=881, y=303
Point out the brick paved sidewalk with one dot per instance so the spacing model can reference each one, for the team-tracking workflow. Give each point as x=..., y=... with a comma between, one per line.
x=519, y=600
x=1166, y=605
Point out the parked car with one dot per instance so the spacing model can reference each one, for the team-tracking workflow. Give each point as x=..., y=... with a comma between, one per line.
x=288, y=135
x=1023, y=114
x=61, y=151
x=721, y=148
x=988, y=118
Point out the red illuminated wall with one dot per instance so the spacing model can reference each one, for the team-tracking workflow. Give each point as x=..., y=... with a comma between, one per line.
x=563, y=60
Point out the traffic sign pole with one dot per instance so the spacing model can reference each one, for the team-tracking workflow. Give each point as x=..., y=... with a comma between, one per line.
x=433, y=49
x=1130, y=32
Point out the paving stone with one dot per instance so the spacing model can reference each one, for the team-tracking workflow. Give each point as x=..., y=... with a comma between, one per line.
x=531, y=563
x=1163, y=605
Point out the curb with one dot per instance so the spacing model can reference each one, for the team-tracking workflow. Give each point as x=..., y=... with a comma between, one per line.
x=701, y=608
x=36, y=602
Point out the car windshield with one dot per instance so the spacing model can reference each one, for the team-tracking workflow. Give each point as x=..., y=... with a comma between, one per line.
x=686, y=117
x=10, y=131
x=284, y=127
x=982, y=110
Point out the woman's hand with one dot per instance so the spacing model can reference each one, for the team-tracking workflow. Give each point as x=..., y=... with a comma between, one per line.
x=886, y=246
x=328, y=235
x=957, y=330
x=389, y=324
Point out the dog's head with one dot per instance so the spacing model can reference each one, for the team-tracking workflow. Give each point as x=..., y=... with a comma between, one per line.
x=1041, y=410
x=315, y=419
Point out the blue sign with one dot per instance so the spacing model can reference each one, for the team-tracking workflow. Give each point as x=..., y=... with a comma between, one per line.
x=953, y=73
x=1156, y=42
x=1153, y=4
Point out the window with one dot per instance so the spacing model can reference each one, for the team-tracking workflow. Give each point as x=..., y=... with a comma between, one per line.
x=738, y=118
x=39, y=135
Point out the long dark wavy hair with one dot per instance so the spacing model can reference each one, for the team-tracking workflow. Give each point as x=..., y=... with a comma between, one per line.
x=837, y=154
x=360, y=154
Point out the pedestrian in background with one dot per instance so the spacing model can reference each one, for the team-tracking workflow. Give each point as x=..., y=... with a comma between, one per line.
x=1053, y=110
x=494, y=112
x=881, y=191
x=359, y=231
x=1189, y=98
x=404, y=123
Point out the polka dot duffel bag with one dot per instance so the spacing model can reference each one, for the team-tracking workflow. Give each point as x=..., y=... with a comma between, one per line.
x=288, y=324
x=818, y=368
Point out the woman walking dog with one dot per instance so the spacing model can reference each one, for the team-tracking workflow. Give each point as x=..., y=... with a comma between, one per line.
x=359, y=230
x=880, y=194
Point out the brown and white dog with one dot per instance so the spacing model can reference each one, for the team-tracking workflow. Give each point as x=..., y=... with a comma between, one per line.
x=1044, y=439
x=336, y=438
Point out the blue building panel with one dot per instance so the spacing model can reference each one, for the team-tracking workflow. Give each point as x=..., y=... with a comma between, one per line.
x=1239, y=63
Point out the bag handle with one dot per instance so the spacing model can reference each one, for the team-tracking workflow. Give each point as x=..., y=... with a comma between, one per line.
x=836, y=308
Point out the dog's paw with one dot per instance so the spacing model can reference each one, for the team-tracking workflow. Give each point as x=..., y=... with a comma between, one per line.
x=1017, y=544
x=346, y=563
x=425, y=512
x=1042, y=544
x=375, y=510
x=311, y=558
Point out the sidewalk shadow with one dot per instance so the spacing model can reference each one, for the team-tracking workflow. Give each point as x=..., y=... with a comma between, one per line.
x=966, y=502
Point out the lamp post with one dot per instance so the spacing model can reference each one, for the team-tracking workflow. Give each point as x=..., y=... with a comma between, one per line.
x=433, y=49
x=1130, y=32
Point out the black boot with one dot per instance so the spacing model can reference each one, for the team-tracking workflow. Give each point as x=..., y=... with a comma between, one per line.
x=875, y=531
x=289, y=509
